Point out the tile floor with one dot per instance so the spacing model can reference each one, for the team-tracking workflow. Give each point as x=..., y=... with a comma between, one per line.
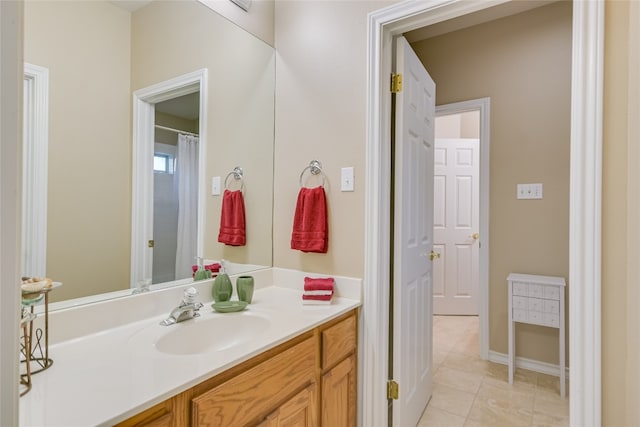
x=471, y=392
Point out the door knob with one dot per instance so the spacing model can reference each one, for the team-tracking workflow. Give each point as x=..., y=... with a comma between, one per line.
x=475, y=236
x=434, y=255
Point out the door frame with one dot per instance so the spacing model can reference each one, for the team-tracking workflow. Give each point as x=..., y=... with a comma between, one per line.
x=35, y=151
x=484, y=106
x=585, y=199
x=144, y=101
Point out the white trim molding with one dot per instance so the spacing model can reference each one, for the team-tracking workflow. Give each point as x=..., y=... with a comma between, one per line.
x=144, y=101
x=585, y=214
x=585, y=211
x=483, y=105
x=528, y=364
x=35, y=160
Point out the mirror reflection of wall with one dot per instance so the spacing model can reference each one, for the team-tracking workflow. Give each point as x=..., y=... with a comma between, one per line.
x=98, y=54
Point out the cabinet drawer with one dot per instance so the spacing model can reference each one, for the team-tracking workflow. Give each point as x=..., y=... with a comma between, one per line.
x=536, y=317
x=520, y=288
x=536, y=304
x=550, y=319
x=552, y=292
x=338, y=341
x=551, y=306
x=520, y=315
x=536, y=291
x=247, y=397
x=521, y=303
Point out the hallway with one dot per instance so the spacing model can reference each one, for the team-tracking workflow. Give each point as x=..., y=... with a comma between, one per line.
x=471, y=392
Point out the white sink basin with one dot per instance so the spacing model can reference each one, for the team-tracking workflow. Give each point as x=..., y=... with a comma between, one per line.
x=211, y=334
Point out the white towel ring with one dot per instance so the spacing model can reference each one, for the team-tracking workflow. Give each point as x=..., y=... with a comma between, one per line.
x=315, y=167
x=238, y=175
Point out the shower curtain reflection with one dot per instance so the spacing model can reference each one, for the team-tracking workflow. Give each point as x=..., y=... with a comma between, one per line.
x=186, y=180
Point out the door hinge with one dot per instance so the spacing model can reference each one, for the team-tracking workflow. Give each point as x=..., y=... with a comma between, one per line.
x=392, y=389
x=151, y=243
x=396, y=83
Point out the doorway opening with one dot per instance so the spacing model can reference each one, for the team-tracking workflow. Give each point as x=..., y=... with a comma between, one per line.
x=192, y=89
x=175, y=187
x=585, y=196
x=463, y=127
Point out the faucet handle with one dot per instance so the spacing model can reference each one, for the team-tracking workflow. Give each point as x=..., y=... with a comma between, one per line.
x=190, y=295
x=196, y=309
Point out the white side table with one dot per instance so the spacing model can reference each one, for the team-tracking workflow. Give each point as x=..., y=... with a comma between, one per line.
x=538, y=300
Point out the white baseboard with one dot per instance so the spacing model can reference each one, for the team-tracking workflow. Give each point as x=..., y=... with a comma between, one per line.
x=529, y=364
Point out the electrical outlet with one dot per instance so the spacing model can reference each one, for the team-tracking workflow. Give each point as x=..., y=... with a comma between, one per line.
x=529, y=191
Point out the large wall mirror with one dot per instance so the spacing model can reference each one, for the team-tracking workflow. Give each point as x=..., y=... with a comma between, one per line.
x=97, y=56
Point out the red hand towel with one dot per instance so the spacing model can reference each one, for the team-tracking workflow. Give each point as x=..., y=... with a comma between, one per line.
x=318, y=284
x=310, y=226
x=232, y=220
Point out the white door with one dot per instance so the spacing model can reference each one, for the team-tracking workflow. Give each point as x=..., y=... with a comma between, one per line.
x=413, y=232
x=456, y=225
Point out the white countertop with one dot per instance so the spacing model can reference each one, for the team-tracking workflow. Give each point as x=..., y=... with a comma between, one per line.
x=106, y=377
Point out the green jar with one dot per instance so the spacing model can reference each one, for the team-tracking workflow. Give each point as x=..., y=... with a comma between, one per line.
x=222, y=288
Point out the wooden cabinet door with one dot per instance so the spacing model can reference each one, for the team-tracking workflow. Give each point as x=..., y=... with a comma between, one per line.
x=160, y=415
x=247, y=397
x=299, y=411
x=339, y=395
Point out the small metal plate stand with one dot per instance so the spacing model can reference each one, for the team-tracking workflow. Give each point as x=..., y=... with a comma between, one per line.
x=26, y=324
x=39, y=359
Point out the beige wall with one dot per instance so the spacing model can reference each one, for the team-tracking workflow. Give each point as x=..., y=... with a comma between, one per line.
x=620, y=217
x=632, y=389
x=320, y=114
x=463, y=125
x=523, y=63
x=240, y=107
x=89, y=141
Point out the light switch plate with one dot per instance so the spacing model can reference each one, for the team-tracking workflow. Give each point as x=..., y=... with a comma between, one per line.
x=529, y=191
x=215, y=186
x=346, y=179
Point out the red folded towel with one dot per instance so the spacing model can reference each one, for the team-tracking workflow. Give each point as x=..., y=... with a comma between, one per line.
x=318, y=293
x=310, y=226
x=317, y=297
x=232, y=220
x=318, y=284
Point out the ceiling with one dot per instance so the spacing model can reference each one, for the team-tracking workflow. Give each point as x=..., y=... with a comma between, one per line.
x=186, y=107
x=482, y=16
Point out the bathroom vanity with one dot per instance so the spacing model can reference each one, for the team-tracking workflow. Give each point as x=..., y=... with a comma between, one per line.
x=308, y=378
x=276, y=361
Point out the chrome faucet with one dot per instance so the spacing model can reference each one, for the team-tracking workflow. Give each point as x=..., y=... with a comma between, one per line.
x=188, y=308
